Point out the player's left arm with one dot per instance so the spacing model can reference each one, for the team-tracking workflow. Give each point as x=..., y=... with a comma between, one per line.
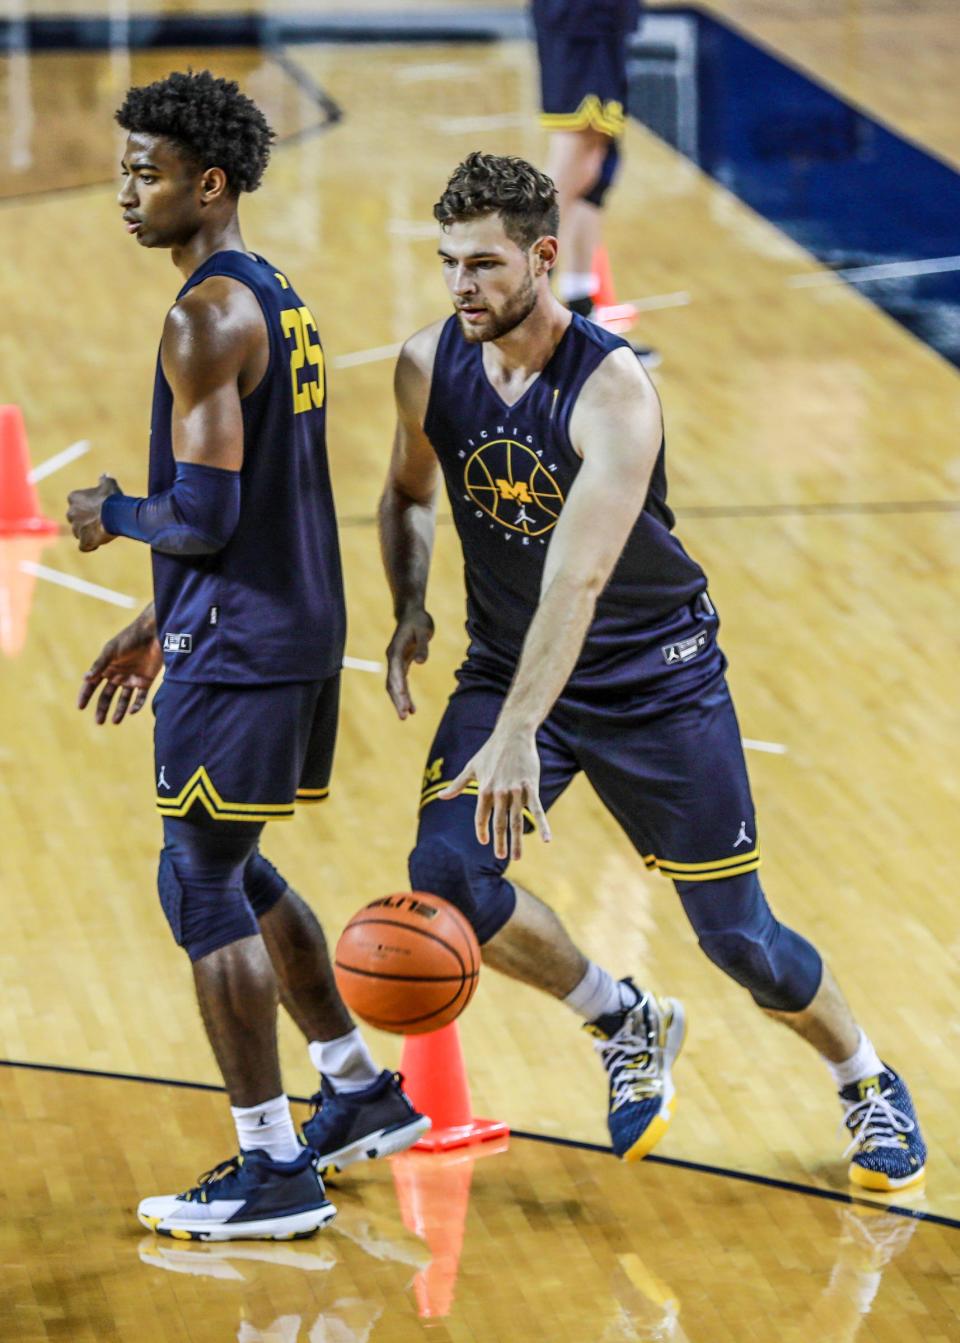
x=616, y=427
x=211, y=339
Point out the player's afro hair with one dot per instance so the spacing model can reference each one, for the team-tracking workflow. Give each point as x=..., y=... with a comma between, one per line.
x=209, y=119
x=484, y=184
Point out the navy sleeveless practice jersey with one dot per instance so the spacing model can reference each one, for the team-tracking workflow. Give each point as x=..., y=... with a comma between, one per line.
x=270, y=605
x=508, y=471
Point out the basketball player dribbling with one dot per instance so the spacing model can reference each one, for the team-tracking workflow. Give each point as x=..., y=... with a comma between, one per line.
x=249, y=623
x=593, y=647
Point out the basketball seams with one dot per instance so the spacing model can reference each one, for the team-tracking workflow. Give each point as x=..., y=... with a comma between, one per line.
x=418, y=932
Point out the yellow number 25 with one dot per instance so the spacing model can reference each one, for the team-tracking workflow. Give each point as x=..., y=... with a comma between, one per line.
x=299, y=326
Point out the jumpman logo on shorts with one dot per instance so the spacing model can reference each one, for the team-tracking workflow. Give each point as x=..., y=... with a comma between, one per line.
x=742, y=836
x=162, y=780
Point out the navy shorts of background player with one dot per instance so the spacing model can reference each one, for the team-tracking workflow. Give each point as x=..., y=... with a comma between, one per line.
x=582, y=55
x=646, y=714
x=252, y=637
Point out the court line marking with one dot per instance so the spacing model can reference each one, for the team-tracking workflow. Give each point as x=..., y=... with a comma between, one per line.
x=771, y=747
x=77, y=584
x=54, y=463
x=888, y=270
x=680, y=298
x=678, y=1163
x=362, y=664
x=367, y=356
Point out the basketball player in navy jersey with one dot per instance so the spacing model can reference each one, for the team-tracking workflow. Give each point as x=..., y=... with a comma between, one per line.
x=249, y=622
x=592, y=647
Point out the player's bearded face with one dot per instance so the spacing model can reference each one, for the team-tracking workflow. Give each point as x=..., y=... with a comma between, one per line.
x=489, y=277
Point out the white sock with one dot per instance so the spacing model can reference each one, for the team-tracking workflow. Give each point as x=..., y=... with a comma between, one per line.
x=577, y=284
x=346, y=1063
x=269, y=1127
x=598, y=994
x=863, y=1062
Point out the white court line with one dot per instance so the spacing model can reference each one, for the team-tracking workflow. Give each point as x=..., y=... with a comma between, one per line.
x=771, y=747
x=676, y=300
x=59, y=459
x=499, y=121
x=413, y=229
x=77, y=584
x=367, y=356
x=362, y=664
x=892, y=270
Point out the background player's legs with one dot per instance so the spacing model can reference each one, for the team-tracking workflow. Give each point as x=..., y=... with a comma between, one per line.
x=575, y=161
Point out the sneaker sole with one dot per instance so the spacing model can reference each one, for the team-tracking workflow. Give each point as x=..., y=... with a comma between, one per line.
x=385, y=1142
x=877, y=1180
x=676, y=1035
x=296, y=1226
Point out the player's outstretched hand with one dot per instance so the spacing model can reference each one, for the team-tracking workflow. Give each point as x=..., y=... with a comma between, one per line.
x=410, y=643
x=83, y=513
x=507, y=771
x=128, y=663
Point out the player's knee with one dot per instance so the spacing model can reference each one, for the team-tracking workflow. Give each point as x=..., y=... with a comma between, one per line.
x=597, y=191
x=737, y=930
x=200, y=883
x=473, y=884
x=263, y=884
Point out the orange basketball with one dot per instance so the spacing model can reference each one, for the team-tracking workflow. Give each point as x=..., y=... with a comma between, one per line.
x=407, y=963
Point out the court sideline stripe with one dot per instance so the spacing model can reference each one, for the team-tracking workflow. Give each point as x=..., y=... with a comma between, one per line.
x=678, y=1163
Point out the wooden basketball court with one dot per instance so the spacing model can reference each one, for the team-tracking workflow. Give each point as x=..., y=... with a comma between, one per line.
x=814, y=471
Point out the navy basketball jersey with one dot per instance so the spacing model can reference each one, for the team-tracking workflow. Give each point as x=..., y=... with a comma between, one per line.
x=270, y=605
x=508, y=470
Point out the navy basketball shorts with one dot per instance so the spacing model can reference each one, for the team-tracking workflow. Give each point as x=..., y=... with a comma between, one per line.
x=663, y=754
x=243, y=753
x=582, y=51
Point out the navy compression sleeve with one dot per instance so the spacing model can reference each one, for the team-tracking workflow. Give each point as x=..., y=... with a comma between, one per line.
x=197, y=516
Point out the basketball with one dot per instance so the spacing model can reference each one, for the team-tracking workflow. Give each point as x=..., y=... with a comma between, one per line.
x=407, y=963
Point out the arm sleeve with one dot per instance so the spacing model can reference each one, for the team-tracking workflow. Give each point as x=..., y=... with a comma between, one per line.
x=197, y=516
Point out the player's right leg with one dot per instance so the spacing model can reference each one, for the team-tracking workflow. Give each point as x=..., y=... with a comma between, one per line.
x=638, y=1035
x=220, y=774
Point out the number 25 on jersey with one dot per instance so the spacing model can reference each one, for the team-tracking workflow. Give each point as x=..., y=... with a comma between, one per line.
x=306, y=358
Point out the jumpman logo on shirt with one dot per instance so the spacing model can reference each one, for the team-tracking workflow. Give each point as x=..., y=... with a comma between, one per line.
x=162, y=780
x=742, y=837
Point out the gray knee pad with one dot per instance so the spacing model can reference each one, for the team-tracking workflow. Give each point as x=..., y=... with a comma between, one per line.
x=737, y=930
x=477, y=888
x=200, y=883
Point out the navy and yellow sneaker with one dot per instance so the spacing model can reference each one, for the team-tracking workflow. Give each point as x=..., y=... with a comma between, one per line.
x=888, y=1148
x=251, y=1196
x=349, y=1126
x=638, y=1047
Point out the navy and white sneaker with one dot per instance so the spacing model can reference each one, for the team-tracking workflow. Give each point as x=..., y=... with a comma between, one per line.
x=349, y=1126
x=887, y=1145
x=251, y=1196
x=638, y=1046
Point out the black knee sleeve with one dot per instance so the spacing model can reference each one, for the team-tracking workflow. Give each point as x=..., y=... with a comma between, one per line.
x=472, y=882
x=200, y=883
x=608, y=171
x=737, y=930
x=262, y=884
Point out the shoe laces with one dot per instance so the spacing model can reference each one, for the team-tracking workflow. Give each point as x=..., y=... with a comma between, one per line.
x=632, y=1062
x=221, y=1172
x=875, y=1122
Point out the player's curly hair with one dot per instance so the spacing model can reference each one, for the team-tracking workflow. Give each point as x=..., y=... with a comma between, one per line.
x=210, y=121
x=484, y=184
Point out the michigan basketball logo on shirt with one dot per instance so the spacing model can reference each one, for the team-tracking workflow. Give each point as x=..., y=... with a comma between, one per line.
x=509, y=484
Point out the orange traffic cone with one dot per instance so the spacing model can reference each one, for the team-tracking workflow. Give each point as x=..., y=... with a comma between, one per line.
x=19, y=507
x=435, y=1079
x=434, y=1196
x=614, y=316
